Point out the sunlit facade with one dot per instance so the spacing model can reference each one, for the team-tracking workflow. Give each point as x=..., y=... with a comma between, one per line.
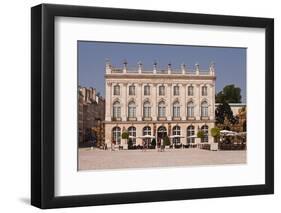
x=173, y=103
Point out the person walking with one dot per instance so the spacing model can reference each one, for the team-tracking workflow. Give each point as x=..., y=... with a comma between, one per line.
x=158, y=144
x=162, y=145
x=112, y=145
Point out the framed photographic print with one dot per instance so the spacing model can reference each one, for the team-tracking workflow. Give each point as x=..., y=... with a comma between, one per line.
x=141, y=106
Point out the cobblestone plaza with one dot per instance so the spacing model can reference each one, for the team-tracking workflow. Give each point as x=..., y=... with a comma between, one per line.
x=91, y=159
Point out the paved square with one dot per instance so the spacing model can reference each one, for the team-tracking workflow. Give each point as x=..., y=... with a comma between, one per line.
x=90, y=159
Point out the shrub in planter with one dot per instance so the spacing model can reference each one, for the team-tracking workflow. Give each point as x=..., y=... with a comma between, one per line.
x=167, y=141
x=215, y=132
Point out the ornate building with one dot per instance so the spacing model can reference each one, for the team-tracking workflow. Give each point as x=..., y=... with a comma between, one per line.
x=159, y=103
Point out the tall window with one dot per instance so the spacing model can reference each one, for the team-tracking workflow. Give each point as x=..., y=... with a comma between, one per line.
x=190, y=109
x=176, y=134
x=146, y=90
x=132, y=90
x=161, y=109
x=162, y=90
x=176, y=90
x=176, y=109
x=204, y=91
x=190, y=134
x=204, y=109
x=116, y=90
x=116, y=135
x=190, y=90
x=132, y=134
x=146, y=130
x=132, y=110
x=146, y=110
x=205, y=130
x=116, y=109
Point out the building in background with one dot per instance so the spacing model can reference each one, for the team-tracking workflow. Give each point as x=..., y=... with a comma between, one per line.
x=235, y=107
x=159, y=103
x=91, y=114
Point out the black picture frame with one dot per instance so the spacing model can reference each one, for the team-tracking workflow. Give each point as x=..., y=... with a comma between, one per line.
x=43, y=102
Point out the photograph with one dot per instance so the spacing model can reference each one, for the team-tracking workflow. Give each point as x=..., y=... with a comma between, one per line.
x=148, y=105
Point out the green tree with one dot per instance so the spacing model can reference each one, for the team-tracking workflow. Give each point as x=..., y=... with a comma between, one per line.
x=215, y=132
x=125, y=135
x=224, y=113
x=229, y=94
x=200, y=134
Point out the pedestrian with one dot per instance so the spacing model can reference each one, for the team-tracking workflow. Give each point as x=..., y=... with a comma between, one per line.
x=162, y=145
x=158, y=145
x=112, y=145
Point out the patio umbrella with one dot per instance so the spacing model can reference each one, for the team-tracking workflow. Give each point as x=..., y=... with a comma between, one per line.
x=147, y=136
x=225, y=131
x=176, y=136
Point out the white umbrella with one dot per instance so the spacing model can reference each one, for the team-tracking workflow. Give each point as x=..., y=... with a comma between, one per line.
x=147, y=136
x=176, y=136
x=242, y=133
x=228, y=133
x=225, y=131
x=132, y=137
x=231, y=134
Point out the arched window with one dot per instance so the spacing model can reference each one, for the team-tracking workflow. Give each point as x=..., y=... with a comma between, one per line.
x=176, y=109
x=116, y=135
x=176, y=134
x=162, y=90
x=190, y=90
x=146, y=90
x=116, y=109
x=116, y=90
x=204, y=91
x=146, y=110
x=190, y=109
x=190, y=134
x=205, y=130
x=132, y=110
x=146, y=130
x=132, y=134
x=132, y=90
x=204, y=109
x=176, y=90
x=161, y=109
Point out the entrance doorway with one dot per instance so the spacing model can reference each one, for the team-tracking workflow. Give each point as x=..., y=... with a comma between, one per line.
x=161, y=132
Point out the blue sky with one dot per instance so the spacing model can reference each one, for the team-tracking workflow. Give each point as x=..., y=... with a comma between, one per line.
x=230, y=62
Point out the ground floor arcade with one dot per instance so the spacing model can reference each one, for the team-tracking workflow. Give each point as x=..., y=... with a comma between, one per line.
x=178, y=133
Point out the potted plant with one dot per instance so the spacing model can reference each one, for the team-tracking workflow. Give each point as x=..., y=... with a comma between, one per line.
x=215, y=132
x=125, y=137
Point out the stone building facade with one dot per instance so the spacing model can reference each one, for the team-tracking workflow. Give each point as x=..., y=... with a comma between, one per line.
x=91, y=114
x=159, y=103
